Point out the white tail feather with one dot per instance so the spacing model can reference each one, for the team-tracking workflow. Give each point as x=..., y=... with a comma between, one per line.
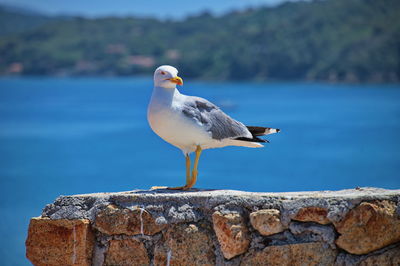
x=245, y=144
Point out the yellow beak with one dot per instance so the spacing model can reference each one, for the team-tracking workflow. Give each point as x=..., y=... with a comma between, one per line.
x=176, y=80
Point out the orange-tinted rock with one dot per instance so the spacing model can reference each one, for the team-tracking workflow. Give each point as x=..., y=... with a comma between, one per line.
x=232, y=233
x=291, y=255
x=368, y=227
x=312, y=214
x=267, y=222
x=389, y=257
x=59, y=242
x=126, y=252
x=114, y=221
x=185, y=245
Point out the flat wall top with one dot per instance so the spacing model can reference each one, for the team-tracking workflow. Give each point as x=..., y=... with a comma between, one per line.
x=186, y=206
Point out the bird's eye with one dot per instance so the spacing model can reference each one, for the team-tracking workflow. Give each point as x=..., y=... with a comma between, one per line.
x=162, y=73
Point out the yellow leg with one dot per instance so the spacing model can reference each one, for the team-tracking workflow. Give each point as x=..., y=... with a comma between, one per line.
x=190, y=180
x=187, y=169
x=196, y=164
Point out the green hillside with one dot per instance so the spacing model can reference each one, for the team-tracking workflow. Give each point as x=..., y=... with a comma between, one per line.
x=16, y=20
x=347, y=40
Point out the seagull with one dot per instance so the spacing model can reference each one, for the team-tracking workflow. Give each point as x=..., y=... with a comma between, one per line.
x=193, y=124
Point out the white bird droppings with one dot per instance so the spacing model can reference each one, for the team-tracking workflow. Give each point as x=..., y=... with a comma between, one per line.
x=74, y=245
x=141, y=220
x=169, y=255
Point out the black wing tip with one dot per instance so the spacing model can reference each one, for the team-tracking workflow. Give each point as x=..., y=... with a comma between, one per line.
x=254, y=139
x=261, y=131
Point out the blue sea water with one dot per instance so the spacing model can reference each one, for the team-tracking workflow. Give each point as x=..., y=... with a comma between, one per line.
x=68, y=136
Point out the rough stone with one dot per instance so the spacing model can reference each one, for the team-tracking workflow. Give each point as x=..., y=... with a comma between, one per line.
x=232, y=233
x=126, y=252
x=292, y=255
x=185, y=244
x=368, y=227
x=114, y=221
x=314, y=232
x=267, y=222
x=389, y=257
x=59, y=242
x=159, y=202
x=312, y=214
x=168, y=210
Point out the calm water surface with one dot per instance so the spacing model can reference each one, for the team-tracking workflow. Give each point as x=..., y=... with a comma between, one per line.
x=68, y=136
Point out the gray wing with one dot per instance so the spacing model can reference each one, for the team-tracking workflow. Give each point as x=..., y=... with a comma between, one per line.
x=219, y=124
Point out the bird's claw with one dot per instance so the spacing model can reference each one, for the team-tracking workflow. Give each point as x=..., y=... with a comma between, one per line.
x=186, y=187
x=158, y=187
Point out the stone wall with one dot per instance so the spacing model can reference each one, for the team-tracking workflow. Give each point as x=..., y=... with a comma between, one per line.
x=219, y=227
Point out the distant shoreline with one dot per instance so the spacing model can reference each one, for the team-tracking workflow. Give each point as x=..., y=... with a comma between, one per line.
x=344, y=82
x=334, y=41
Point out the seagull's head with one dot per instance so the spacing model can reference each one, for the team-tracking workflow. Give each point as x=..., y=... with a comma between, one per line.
x=167, y=77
